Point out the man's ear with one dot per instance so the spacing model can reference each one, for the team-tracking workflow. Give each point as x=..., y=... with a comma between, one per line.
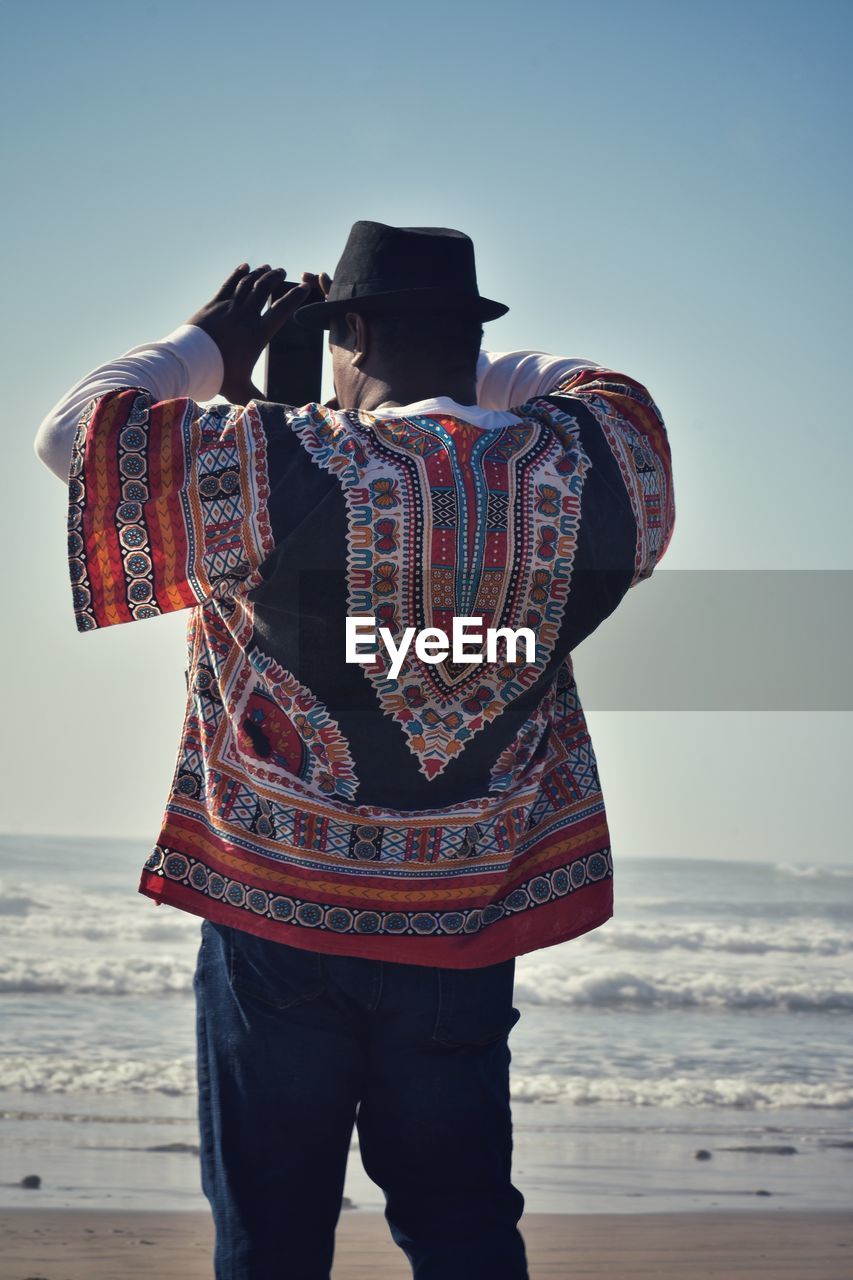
x=359, y=344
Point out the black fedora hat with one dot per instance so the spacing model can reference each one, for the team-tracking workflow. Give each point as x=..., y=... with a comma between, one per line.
x=400, y=269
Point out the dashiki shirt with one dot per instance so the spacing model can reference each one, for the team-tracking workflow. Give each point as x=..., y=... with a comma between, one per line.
x=452, y=815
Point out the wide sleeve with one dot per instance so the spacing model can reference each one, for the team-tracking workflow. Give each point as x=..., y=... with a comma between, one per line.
x=187, y=362
x=635, y=436
x=167, y=505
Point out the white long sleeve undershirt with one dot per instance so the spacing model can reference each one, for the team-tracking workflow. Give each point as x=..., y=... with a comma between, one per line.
x=187, y=362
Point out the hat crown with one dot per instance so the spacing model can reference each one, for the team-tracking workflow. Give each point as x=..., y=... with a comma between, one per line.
x=391, y=270
x=378, y=258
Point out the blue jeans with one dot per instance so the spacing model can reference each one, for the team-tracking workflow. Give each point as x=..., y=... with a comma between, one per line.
x=294, y=1048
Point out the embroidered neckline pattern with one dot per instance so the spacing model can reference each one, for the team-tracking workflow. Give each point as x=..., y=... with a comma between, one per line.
x=445, y=519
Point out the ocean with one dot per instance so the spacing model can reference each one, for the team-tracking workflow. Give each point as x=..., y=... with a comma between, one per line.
x=712, y=1014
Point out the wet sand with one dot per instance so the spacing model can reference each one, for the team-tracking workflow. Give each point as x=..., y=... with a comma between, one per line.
x=75, y=1244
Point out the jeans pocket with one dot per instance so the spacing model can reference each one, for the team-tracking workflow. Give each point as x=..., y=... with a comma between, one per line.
x=475, y=1005
x=274, y=972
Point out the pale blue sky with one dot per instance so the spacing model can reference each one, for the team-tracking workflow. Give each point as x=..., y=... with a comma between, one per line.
x=662, y=187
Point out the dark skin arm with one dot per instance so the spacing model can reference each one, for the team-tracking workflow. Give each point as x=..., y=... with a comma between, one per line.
x=236, y=320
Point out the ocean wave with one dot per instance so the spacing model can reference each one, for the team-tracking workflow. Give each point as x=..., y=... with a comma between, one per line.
x=89, y=1117
x=813, y=871
x=680, y=988
x=728, y=1092
x=805, y=937
x=114, y=976
x=18, y=904
x=41, y=1073
x=63, y=912
x=538, y=981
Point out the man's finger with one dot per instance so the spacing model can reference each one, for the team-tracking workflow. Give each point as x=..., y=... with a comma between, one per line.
x=283, y=309
x=228, y=285
x=268, y=282
x=270, y=288
x=321, y=281
x=244, y=285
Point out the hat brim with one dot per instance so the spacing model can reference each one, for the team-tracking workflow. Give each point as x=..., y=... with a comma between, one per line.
x=320, y=315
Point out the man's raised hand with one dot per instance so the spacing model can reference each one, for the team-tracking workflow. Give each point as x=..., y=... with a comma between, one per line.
x=236, y=320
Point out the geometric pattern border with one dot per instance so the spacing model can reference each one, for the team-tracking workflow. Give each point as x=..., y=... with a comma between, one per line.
x=537, y=891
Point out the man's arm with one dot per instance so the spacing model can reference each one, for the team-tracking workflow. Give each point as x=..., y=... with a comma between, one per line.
x=215, y=351
x=168, y=502
x=186, y=362
x=509, y=378
x=628, y=418
x=636, y=437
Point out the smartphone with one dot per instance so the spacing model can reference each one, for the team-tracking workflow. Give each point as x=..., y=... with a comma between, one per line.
x=295, y=359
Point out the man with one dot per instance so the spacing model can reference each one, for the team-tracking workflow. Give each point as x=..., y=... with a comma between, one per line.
x=370, y=842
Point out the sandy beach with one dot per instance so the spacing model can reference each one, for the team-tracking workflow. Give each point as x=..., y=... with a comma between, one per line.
x=73, y=1244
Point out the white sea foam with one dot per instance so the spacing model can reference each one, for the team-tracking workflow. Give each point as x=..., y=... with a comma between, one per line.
x=18, y=904
x=813, y=871
x=120, y=976
x=73, y=913
x=79, y=1116
x=803, y=937
x=542, y=982
x=43, y=1073
x=647, y=982
x=679, y=1091
x=680, y=988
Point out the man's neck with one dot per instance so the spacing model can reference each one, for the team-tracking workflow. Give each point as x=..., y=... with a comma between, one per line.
x=377, y=393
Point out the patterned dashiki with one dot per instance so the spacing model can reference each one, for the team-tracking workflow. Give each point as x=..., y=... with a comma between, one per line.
x=452, y=815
